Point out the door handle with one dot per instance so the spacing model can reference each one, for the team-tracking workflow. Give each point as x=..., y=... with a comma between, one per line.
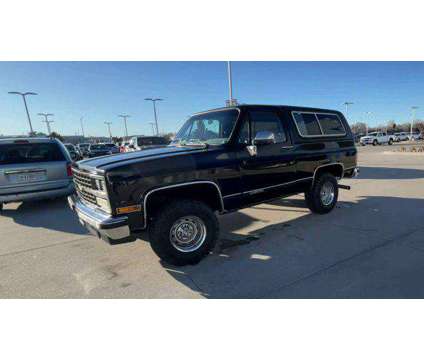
x=287, y=147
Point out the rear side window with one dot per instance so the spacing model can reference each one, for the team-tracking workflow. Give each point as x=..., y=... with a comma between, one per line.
x=30, y=153
x=307, y=124
x=318, y=124
x=331, y=124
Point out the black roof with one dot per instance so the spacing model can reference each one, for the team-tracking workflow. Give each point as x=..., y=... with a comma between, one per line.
x=256, y=106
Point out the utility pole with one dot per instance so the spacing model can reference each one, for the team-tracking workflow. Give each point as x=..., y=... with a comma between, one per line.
x=108, y=123
x=369, y=113
x=125, y=122
x=414, y=114
x=82, y=127
x=230, y=83
x=153, y=127
x=153, y=100
x=47, y=121
x=26, y=106
x=347, y=104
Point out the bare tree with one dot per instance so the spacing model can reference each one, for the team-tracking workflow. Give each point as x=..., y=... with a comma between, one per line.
x=359, y=128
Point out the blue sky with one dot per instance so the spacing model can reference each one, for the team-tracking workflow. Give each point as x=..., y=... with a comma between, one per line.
x=99, y=91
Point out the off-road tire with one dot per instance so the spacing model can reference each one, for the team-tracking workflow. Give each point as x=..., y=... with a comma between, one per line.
x=164, y=218
x=313, y=198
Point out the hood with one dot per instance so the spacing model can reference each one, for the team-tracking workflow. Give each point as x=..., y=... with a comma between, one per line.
x=103, y=162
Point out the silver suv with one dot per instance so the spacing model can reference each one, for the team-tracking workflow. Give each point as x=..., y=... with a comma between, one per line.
x=34, y=169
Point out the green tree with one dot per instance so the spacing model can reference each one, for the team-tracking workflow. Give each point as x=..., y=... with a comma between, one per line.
x=56, y=136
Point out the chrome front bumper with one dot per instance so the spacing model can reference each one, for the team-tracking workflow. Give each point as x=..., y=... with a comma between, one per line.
x=114, y=228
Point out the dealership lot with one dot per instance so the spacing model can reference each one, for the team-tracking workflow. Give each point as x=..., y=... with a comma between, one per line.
x=371, y=245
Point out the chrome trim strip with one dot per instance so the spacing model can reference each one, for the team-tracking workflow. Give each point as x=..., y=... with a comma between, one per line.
x=268, y=187
x=179, y=185
x=17, y=171
x=322, y=133
x=87, y=173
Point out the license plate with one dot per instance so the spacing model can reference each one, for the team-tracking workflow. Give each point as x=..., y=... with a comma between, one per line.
x=27, y=177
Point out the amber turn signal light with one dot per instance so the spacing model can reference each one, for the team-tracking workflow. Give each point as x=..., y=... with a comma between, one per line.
x=128, y=209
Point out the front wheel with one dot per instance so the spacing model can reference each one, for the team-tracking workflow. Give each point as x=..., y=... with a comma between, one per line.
x=1, y=206
x=183, y=232
x=390, y=141
x=375, y=142
x=322, y=196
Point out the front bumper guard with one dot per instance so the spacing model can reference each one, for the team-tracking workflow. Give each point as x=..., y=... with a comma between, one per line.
x=114, y=228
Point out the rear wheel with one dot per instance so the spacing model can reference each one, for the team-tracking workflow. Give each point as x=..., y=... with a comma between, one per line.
x=323, y=195
x=183, y=232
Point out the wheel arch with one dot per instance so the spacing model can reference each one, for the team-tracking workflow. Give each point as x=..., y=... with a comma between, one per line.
x=202, y=190
x=336, y=169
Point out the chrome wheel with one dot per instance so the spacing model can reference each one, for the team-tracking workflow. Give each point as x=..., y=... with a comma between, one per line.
x=327, y=193
x=188, y=233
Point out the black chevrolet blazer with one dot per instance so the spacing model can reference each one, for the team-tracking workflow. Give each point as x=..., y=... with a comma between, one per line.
x=220, y=161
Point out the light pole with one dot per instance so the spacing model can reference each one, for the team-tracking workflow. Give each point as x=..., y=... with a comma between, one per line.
x=26, y=106
x=347, y=104
x=82, y=127
x=369, y=113
x=414, y=114
x=125, y=122
x=153, y=100
x=47, y=121
x=153, y=127
x=108, y=123
x=230, y=82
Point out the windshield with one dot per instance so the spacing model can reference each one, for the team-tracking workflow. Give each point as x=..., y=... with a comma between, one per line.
x=110, y=145
x=372, y=134
x=97, y=147
x=211, y=128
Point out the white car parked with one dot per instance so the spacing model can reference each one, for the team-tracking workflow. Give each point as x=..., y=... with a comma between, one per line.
x=402, y=136
x=377, y=138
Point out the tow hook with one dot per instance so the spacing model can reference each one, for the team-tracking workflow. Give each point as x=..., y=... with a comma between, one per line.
x=344, y=187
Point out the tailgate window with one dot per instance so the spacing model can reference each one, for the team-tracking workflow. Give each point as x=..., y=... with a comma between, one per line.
x=30, y=153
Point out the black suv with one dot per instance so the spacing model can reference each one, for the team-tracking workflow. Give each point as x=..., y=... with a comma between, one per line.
x=220, y=161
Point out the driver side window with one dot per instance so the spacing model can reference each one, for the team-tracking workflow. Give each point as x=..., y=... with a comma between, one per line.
x=268, y=121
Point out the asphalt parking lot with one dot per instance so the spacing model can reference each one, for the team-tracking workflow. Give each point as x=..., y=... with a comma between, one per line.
x=370, y=246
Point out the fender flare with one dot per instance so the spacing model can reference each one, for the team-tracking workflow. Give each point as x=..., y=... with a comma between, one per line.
x=191, y=183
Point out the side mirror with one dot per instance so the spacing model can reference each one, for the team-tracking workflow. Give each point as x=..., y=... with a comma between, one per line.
x=264, y=138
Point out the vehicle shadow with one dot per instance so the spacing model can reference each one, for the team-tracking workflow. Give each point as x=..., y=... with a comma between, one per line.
x=272, y=259
x=385, y=173
x=52, y=214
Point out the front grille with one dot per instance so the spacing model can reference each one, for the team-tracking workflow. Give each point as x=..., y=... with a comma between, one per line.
x=82, y=179
x=87, y=196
